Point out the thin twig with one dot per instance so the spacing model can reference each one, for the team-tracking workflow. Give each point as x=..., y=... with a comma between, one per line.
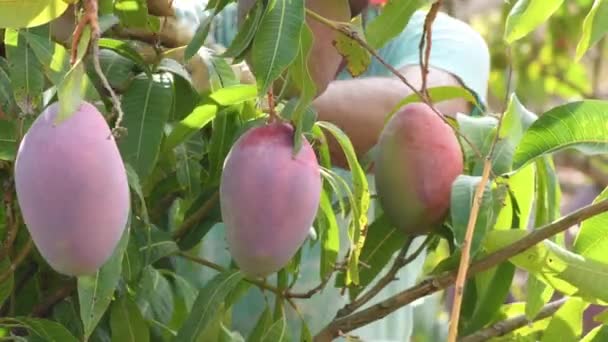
x=345, y=30
x=426, y=39
x=18, y=260
x=43, y=308
x=512, y=324
x=90, y=17
x=440, y=282
x=311, y=292
x=195, y=218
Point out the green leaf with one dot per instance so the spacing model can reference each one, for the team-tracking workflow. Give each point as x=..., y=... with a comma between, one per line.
x=146, y=106
x=594, y=27
x=278, y=332
x=567, y=272
x=207, y=303
x=26, y=73
x=463, y=192
x=46, y=329
x=154, y=296
x=262, y=326
x=95, y=291
x=598, y=334
x=527, y=15
x=383, y=240
x=124, y=49
x=234, y=94
x=127, y=322
x=548, y=195
x=30, y=13
x=71, y=92
x=439, y=94
x=156, y=242
x=132, y=13
x=199, y=37
x=53, y=57
x=305, y=335
x=276, y=42
x=391, y=22
x=538, y=295
x=8, y=107
x=303, y=81
x=591, y=240
x=580, y=125
x=357, y=228
x=567, y=322
x=8, y=140
x=7, y=286
x=356, y=56
x=135, y=185
x=247, y=31
x=330, y=236
x=226, y=126
x=195, y=121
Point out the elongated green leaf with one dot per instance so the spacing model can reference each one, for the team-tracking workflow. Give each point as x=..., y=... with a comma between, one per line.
x=383, y=240
x=207, y=304
x=301, y=76
x=6, y=287
x=330, y=236
x=95, y=291
x=234, y=94
x=30, y=13
x=594, y=27
x=537, y=296
x=592, y=238
x=567, y=272
x=463, y=192
x=154, y=296
x=156, y=242
x=124, y=49
x=527, y=15
x=276, y=42
x=598, y=334
x=127, y=322
x=53, y=57
x=357, y=228
x=391, y=21
x=278, y=332
x=580, y=125
x=132, y=13
x=8, y=140
x=226, y=127
x=135, y=185
x=242, y=41
x=8, y=107
x=548, y=195
x=262, y=326
x=71, y=92
x=26, y=73
x=567, y=322
x=438, y=94
x=198, y=119
x=146, y=105
x=47, y=329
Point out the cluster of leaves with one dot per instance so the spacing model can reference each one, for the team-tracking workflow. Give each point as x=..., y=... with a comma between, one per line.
x=178, y=137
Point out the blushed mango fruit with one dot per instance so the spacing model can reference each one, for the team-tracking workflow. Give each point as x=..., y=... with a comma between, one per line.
x=268, y=197
x=418, y=159
x=72, y=189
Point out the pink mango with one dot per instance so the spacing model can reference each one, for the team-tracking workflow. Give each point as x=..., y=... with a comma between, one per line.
x=418, y=159
x=268, y=198
x=72, y=188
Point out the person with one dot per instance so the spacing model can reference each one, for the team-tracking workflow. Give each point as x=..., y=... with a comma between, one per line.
x=358, y=105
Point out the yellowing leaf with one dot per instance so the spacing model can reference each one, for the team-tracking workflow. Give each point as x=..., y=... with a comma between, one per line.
x=29, y=13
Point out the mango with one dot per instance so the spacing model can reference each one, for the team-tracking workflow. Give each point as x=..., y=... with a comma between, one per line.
x=418, y=158
x=269, y=198
x=72, y=189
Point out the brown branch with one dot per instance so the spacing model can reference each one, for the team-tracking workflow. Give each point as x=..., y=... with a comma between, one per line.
x=44, y=308
x=345, y=30
x=198, y=215
x=18, y=260
x=509, y=325
x=398, y=263
x=311, y=292
x=434, y=284
x=426, y=39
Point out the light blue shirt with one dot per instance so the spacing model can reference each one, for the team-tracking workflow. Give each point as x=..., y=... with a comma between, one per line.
x=456, y=48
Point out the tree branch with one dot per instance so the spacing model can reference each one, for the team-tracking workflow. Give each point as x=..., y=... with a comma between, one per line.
x=195, y=218
x=425, y=53
x=434, y=284
x=18, y=260
x=44, y=308
x=509, y=325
